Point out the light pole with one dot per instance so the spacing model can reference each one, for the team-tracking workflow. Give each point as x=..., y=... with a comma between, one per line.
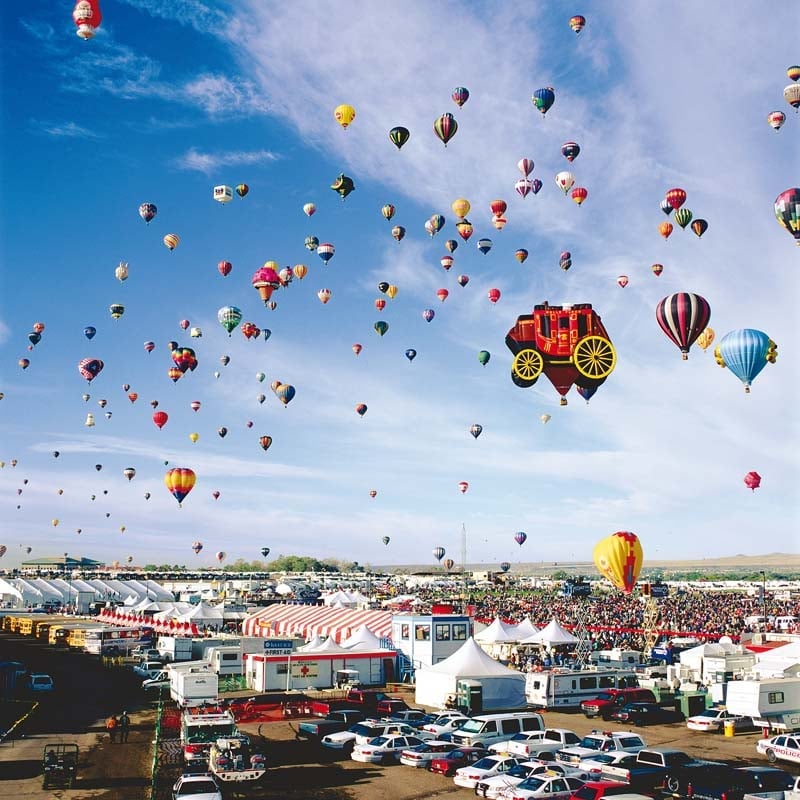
x=764, y=597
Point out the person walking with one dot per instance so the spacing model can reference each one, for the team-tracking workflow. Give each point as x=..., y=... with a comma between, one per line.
x=124, y=726
x=111, y=727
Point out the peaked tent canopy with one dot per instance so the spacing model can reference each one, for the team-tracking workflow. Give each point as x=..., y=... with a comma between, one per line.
x=362, y=638
x=497, y=632
x=524, y=629
x=551, y=635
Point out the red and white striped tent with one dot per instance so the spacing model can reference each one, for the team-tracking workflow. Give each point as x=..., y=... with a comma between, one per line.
x=282, y=619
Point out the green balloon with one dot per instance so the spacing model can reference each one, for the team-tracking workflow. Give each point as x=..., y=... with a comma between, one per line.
x=484, y=356
x=381, y=327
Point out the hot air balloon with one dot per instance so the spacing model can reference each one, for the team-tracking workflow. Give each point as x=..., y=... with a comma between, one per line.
x=220, y=556
x=386, y=539
x=223, y=432
x=543, y=99
x=544, y=419
x=265, y=442
x=89, y=331
x=116, y=310
x=657, y=269
x=285, y=392
x=445, y=128
x=484, y=245
x=683, y=217
x=343, y=185
x=683, y=316
x=793, y=72
x=266, y=280
x=666, y=207
x=160, y=419
x=357, y=348
x=121, y=272
x=265, y=551
x=476, y=430
x=460, y=95
x=484, y=356
x=193, y=437
x=223, y=194
x=309, y=209
x=525, y=166
x=460, y=207
x=705, y=338
x=446, y=262
x=229, y=317
x=398, y=136
x=311, y=243
x=451, y=245
x=675, y=197
x=381, y=327
x=197, y=547
x=462, y=280
x=622, y=280
x=25, y=363
x=442, y=294
x=411, y=354
x=344, y=114
x=89, y=368
x=776, y=119
x=565, y=260
x=361, y=409
x=579, y=194
x=324, y=295
x=326, y=252
x=87, y=17
x=565, y=180
x=498, y=207
x=387, y=211
x=300, y=271
x=171, y=241
x=523, y=187
x=437, y=223
x=373, y=493
x=577, y=23
x=699, y=226
x=505, y=566
x=619, y=558
x=438, y=553
x=89, y=420
x=463, y=486
x=745, y=353
x=242, y=189
x=520, y=537
x=428, y=314
x=521, y=255
x=448, y=564
x=180, y=481
x=570, y=150
x=147, y=212
x=195, y=405
x=380, y=304
x=398, y=233
x=536, y=184
x=34, y=338
x=665, y=229
x=215, y=495
x=792, y=95
x=493, y=295
x=787, y=210
x=752, y=480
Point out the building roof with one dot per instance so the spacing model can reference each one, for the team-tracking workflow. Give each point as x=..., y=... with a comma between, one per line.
x=61, y=561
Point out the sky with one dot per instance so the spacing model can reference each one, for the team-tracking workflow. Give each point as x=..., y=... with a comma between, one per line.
x=171, y=99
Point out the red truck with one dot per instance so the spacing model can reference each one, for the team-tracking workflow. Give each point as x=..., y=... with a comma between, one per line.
x=373, y=702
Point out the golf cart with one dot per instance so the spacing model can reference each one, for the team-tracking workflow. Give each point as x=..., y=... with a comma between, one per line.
x=60, y=765
x=347, y=678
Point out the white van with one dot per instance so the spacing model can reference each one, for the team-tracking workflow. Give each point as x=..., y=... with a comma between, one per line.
x=788, y=623
x=486, y=729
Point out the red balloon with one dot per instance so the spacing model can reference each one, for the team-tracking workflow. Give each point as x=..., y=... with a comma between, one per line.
x=224, y=268
x=160, y=419
x=752, y=480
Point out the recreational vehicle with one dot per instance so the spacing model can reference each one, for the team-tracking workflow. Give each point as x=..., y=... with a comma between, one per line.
x=773, y=703
x=568, y=688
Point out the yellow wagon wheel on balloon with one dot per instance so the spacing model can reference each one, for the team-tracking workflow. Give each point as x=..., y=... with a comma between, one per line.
x=527, y=364
x=595, y=357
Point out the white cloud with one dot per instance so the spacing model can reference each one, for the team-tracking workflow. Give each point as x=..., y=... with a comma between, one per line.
x=64, y=129
x=207, y=163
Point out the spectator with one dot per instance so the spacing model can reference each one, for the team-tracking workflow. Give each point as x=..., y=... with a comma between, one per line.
x=111, y=727
x=124, y=726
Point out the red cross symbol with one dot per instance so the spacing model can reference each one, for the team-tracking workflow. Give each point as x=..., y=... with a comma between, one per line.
x=304, y=670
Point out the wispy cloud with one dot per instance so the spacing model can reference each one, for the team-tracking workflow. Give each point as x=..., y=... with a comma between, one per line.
x=63, y=129
x=192, y=13
x=207, y=163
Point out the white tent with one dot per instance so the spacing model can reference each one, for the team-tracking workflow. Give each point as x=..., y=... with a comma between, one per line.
x=314, y=644
x=781, y=662
x=522, y=630
x=330, y=645
x=362, y=638
x=551, y=635
x=497, y=632
x=203, y=614
x=15, y=596
x=502, y=687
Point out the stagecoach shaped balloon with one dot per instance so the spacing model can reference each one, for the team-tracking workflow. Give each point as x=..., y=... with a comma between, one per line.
x=752, y=480
x=619, y=558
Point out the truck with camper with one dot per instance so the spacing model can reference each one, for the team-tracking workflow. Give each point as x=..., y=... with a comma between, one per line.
x=773, y=703
x=199, y=730
x=194, y=686
x=174, y=648
x=225, y=659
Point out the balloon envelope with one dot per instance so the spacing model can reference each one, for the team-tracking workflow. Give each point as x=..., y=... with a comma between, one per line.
x=520, y=537
x=745, y=353
x=619, y=558
x=752, y=480
x=438, y=553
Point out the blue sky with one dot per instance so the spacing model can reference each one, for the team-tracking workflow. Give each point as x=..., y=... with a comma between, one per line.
x=171, y=99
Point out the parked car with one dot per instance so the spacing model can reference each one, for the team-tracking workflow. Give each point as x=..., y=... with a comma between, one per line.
x=713, y=720
x=538, y=744
x=196, y=787
x=414, y=717
x=600, y=742
x=442, y=725
x=383, y=749
x=157, y=683
x=646, y=714
x=148, y=669
x=501, y=785
x=421, y=755
x=362, y=732
x=597, y=790
x=39, y=682
x=596, y=763
x=784, y=748
x=485, y=768
x=715, y=781
x=609, y=700
x=143, y=653
x=455, y=759
x=553, y=787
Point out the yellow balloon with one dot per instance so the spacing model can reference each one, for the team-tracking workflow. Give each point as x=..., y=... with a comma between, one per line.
x=300, y=271
x=461, y=207
x=344, y=114
x=55, y=523
x=705, y=338
x=619, y=558
x=171, y=241
x=391, y=292
x=194, y=436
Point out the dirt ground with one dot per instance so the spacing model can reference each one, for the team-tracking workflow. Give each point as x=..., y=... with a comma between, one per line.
x=86, y=694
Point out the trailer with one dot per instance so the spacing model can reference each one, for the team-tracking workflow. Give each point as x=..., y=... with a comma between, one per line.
x=194, y=687
x=174, y=648
x=773, y=703
x=565, y=688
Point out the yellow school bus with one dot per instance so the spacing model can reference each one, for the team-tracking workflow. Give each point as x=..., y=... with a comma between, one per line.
x=76, y=639
x=26, y=625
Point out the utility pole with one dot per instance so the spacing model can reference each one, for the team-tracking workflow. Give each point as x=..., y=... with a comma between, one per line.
x=463, y=568
x=764, y=597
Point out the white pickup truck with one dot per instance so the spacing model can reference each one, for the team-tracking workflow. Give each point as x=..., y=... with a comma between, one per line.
x=785, y=794
x=537, y=744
